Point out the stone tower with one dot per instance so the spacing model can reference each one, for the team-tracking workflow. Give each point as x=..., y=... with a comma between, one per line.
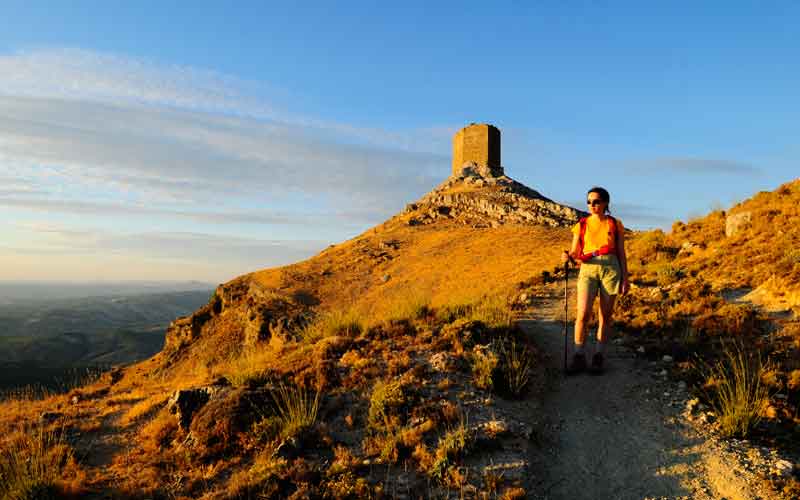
x=477, y=143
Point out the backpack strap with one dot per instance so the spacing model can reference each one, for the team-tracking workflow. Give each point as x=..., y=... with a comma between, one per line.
x=581, y=233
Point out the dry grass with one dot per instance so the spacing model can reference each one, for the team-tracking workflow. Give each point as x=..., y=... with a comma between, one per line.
x=735, y=389
x=347, y=323
x=484, y=363
x=250, y=367
x=296, y=408
x=517, y=363
x=33, y=465
x=410, y=305
x=143, y=408
x=386, y=396
x=492, y=311
x=451, y=446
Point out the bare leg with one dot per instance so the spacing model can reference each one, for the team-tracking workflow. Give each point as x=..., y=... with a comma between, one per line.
x=604, y=320
x=584, y=313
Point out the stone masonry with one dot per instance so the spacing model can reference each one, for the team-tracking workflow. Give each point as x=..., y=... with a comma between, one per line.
x=477, y=143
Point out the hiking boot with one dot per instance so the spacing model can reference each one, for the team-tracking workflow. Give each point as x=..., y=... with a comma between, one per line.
x=578, y=364
x=597, y=364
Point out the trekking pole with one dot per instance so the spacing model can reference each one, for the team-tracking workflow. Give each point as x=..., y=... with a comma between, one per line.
x=566, y=305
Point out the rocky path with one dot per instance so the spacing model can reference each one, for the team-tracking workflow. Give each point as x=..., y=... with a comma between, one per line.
x=612, y=436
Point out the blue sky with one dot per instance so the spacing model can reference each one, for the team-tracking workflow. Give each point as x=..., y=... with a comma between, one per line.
x=201, y=140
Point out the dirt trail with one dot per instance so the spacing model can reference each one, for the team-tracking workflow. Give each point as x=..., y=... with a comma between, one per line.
x=607, y=437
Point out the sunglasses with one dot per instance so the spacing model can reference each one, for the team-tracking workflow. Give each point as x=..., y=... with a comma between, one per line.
x=594, y=202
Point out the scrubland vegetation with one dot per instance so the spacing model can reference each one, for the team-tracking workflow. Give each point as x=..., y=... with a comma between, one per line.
x=698, y=292
x=375, y=369
x=342, y=409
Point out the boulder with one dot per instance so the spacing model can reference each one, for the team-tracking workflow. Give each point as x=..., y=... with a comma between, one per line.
x=735, y=223
x=185, y=403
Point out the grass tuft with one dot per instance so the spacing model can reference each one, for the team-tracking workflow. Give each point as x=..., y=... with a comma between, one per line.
x=516, y=365
x=297, y=409
x=484, y=367
x=385, y=396
x=410, y=306
x=32, y=465
x=492, y=311
x=250, y=368
x=736, y=391
x=345, y=323
x=452, y=445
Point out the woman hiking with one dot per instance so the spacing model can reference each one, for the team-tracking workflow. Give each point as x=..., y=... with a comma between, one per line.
x=598, y=244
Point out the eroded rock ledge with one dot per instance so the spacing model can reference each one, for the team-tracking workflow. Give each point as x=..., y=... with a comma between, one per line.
x=486, y=197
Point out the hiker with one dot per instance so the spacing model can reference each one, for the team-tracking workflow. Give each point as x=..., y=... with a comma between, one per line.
x=598, y=246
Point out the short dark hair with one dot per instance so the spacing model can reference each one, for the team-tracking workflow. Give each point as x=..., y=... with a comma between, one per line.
x=603, y=194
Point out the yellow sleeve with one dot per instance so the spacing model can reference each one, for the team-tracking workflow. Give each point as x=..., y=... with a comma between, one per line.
x=576, y=229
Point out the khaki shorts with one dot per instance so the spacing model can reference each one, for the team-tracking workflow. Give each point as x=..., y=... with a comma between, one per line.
x=600, y=273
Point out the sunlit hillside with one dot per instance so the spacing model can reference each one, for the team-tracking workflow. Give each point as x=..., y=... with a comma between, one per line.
x=374, y=331
x=396, y=351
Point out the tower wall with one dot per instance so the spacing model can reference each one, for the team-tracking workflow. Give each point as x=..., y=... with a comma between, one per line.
x=478, y=143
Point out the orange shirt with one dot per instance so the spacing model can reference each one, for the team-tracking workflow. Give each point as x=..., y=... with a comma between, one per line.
x=596, y=232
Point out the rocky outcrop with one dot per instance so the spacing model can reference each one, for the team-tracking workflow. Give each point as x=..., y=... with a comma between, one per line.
x=485, y=197
x=264, y=314
x=735, y=223
x=185, y=403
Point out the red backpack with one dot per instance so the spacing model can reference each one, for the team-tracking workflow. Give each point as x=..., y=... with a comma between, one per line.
x=610, y=248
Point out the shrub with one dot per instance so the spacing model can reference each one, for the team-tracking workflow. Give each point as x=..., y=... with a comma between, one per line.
x=158, y=432
x=648, y=244
x=484, y=367
x=385, y=396
x=735, y=390
x=32, y=465
x=668, y=274
x=453, y=444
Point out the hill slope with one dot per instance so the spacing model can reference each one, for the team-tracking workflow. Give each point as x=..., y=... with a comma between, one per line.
x=383, y=366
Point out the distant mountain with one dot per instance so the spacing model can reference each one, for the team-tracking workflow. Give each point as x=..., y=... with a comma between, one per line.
x=16, y=292
x=41, y=339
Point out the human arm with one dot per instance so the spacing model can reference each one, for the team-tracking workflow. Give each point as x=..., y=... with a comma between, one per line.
x=574, y=251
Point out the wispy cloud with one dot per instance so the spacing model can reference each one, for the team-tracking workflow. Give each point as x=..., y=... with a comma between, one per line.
x=106, y=136
x=219, y=256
